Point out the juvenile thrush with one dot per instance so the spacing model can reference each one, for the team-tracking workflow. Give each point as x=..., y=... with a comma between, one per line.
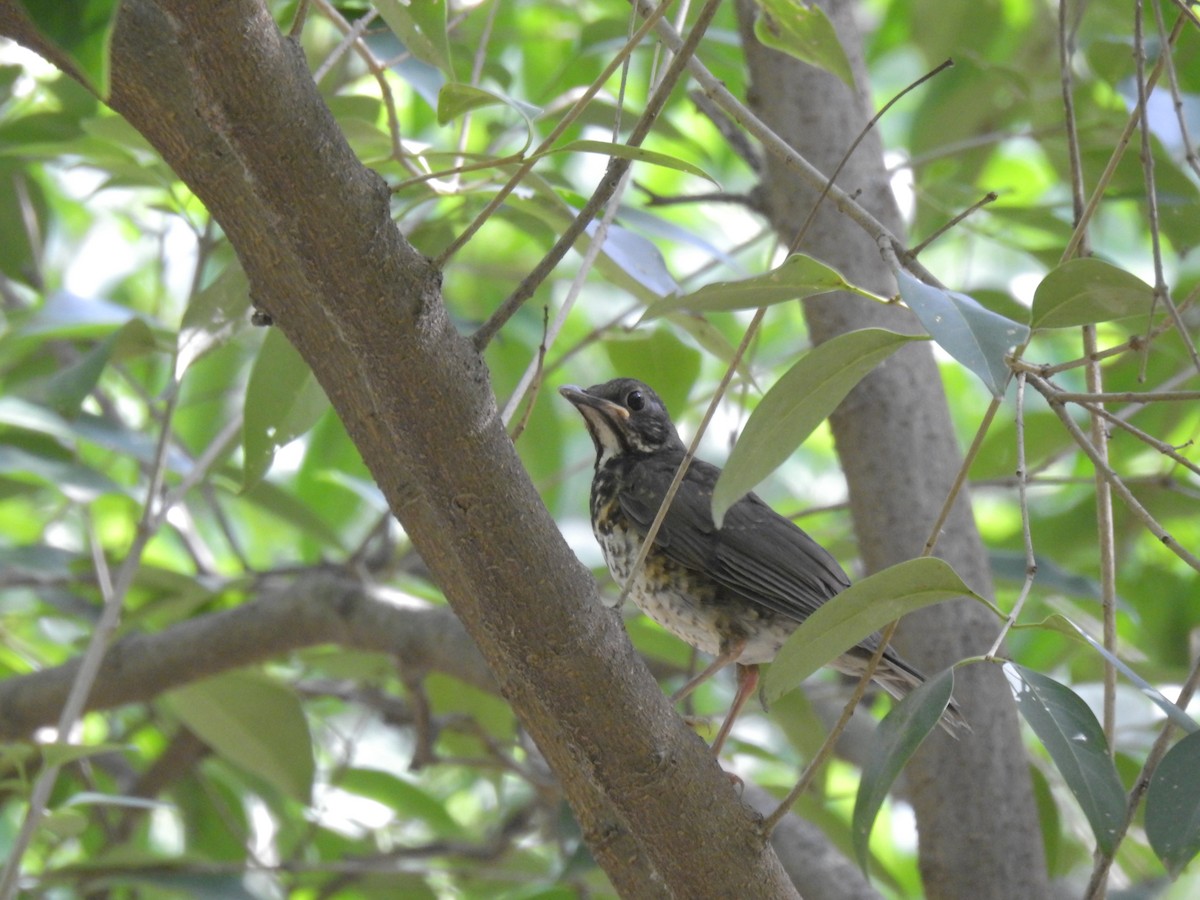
x=736, y=592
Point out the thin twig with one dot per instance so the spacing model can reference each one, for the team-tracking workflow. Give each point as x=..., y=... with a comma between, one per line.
x=1026, y=534
x=989, y=197
x=1096, y=885
x=829, y=182
x=569, y=116
x=1059, y=408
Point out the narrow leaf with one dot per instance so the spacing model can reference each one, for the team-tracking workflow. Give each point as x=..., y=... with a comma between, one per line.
x=899, y=735
x=1086, y=291
x=859, y=611
x=972, y=334
x=804, y=32
x=283, y=401
x=255, y=723
x=797, y=277
x=1174, y=713
x=1173, y=805
x=1071, y=735
x=637, y=154
x=798, y=403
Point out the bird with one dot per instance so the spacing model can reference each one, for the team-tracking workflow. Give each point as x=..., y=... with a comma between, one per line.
x=736, y=592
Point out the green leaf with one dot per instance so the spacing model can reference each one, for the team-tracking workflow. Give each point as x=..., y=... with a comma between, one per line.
x=407, y=799
x=805, y=33
x=83, y=30
x=899, y=735
x=1087, y=291
x=858, y=611
x=798, y=403
x=74, y=481
x=255, y=723
x=421, y=27
x=1173, y=805
x=1071, y=735
x=637, y=154
x=214, y=315
x=61, y=754
x=455, y=99
x=283, y=401
x=656, y=356
x=66, y=389
x=1172, y=710
x=797, y=277
x=974, y=335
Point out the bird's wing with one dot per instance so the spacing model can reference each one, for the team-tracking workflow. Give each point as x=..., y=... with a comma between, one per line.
x=757, y=554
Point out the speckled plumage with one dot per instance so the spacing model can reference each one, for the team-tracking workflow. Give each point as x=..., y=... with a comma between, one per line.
x=736, y=592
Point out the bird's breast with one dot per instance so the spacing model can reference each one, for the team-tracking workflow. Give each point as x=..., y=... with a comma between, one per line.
x=684, y=601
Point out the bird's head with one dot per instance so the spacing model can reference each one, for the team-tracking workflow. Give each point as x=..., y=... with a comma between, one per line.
x=625, y=418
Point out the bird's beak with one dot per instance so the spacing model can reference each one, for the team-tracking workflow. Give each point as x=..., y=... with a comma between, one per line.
x=586, y=402
x=607, y=422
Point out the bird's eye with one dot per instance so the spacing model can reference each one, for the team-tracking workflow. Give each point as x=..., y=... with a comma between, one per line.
x=635, y=401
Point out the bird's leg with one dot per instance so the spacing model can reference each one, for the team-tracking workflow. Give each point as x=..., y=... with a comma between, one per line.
x=747, y=681
x=728, y=655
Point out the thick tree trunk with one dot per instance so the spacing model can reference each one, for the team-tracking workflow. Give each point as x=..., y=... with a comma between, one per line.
x=973, y=798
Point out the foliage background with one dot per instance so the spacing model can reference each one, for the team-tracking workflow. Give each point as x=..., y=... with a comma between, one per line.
x=127, y=359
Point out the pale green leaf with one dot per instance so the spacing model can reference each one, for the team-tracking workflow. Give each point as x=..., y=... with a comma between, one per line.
x=455, y=99
x=970, y=332
x=804, y=32
x=1087, y=291
x=283, y=401
x=421, y=27
x=255, y=723
x=636, y=154
x=797, y=277
x=899, y=735
x=797, y=404
x=859, y=611
x=82, y=29
x=214, y=315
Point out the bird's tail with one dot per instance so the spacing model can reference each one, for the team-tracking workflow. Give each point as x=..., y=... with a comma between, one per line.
x=898, y=678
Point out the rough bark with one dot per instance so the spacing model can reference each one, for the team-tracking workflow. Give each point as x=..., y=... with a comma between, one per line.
x=973, y=798
x=229, y=103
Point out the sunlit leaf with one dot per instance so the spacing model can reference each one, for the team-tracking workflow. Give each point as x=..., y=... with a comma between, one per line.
x=1173, y=712
x=974, y=335
x=409, y=800
x=858, y=611
x=1173, y=805
x=1068, y=730
x=455, y=99
x=797, y=277
x=1087, y=291
x=895, y=741
x=798, y=403
x=421, y=26
x=804, y=32
x=214, y=315
x=283, y=401
x=254, y=722
x=637, y=258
